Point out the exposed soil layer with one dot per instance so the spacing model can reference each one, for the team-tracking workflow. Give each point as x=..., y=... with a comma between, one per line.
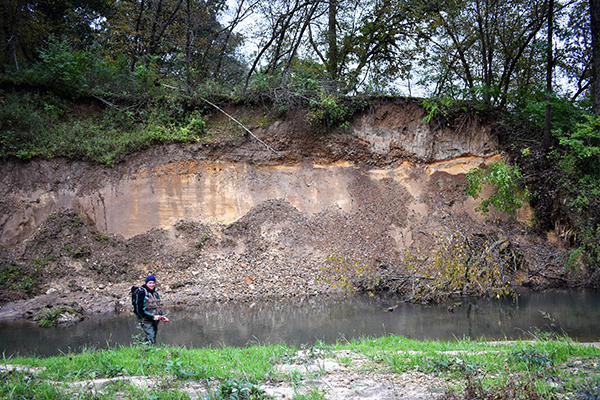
x=275, y=249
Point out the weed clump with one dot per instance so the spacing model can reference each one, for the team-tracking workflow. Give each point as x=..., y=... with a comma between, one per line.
x=59, y=316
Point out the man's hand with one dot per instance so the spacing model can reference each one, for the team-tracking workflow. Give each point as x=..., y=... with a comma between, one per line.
x=158, y=317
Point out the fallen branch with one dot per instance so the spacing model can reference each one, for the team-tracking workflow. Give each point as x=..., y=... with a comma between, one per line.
x=233, y=119
x=108, y=103
x=406, y=277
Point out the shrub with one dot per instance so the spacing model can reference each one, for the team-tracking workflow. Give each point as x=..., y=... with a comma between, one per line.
x=461, y=265
x=330, y=109
x=579, y=159
x=508, y=196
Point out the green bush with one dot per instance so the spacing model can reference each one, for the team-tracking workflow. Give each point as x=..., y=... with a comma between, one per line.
x=435, y=107
x=14, y=277
x=580, y=150
x=25, y=121
x=238, y=389
x=508, y=196
x=565, y=112
x=579, y=159
x=63, y=68
x=330, y=109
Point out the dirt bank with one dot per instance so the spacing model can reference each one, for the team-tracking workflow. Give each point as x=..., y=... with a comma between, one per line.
x=235, y=221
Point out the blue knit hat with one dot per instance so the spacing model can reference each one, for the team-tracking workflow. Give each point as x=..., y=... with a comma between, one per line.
x=150, y=278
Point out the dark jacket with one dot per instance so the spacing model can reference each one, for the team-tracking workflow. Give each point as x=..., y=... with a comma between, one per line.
x=144, y=301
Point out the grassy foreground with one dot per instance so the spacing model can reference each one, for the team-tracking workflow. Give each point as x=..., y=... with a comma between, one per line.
x=539, y=369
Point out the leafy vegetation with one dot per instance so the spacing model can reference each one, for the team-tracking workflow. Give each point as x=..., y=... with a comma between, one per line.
x=330, y=110
x=508, y=197
x=50, y=317
x=564, y=182
x=511, y=370
x=14, y=277
x=436, y=107
x=458, y=265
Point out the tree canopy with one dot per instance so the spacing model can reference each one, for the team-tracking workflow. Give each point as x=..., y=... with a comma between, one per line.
x=486, y=50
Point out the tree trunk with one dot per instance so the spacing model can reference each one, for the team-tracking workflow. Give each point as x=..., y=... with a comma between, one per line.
x=14, y=19
x=595, y=27
x=137, y=39
x=188, y=45
x=549, y=68
x=332, y=56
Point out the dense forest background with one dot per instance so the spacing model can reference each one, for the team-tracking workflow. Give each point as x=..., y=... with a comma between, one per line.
x=100, y=79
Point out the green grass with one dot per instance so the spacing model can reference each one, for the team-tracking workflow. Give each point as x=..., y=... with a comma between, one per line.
x=542, y=369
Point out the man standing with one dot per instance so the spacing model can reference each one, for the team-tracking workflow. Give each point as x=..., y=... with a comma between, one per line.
x=147, y=309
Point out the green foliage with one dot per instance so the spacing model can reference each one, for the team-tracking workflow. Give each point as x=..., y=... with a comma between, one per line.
x=80, y=252
x=102, y=237
x=436, y=107
x=499, y=370
x=239, y=389
x=312, y=394
x=36, y=125
x=49, y=317
x=176, y=368
x=580, y=158
x=508, y=196
x=589, y=391
x=565, y=112
x=304, y=85
x=62, y=68
x=24, y=123
x=9, y=275
x=19, y=385
x=531, y=357
x=454, y=365
x=332, y=110
x=15, y=277
x=509, y=370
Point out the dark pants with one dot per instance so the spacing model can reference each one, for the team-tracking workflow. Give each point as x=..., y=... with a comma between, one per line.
x=150, y=329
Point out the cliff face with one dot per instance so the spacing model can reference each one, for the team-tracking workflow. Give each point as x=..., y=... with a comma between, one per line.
x=165, y=185
x=399, y=127
x=386, y=185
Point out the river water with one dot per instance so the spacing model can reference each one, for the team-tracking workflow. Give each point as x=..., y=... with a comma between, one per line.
x=307, y=321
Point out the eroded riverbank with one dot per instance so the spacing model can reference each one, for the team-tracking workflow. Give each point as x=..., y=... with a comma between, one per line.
x=234, y=222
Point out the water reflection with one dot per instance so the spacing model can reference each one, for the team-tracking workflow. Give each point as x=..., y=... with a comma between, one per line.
x=302, y=321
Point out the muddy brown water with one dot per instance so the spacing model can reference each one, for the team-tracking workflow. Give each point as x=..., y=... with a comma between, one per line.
x=308, y=321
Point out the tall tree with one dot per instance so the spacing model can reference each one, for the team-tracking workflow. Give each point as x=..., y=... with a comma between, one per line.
x=25, y=26
x=549, y=69
x=573, y=47
x=355, y=41
x=595, y=30
x=332, y=46
x=184, y=39
x=480, y=44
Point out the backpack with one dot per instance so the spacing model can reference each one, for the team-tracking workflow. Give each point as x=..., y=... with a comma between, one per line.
x=134, y=292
